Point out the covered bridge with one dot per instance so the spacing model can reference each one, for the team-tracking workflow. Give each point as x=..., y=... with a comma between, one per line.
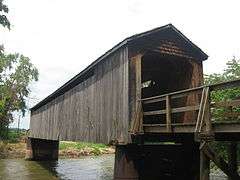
x=99, y=103
x=148, y=88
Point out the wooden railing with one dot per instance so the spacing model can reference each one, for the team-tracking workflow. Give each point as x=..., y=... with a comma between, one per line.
x=202, y=107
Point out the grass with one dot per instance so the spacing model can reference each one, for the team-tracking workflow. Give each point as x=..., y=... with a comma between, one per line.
x=79, y=145
x=76, y=149
x=14, y=136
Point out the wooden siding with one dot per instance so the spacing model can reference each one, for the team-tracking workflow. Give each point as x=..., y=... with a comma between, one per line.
x=96, y=110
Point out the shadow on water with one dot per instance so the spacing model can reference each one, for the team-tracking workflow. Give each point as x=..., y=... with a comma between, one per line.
x=51, y=167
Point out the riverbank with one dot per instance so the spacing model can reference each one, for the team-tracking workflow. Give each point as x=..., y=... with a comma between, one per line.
x=77, y=149
x=67, y=149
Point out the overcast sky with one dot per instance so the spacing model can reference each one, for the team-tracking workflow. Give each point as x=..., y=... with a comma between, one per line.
x=63, y=37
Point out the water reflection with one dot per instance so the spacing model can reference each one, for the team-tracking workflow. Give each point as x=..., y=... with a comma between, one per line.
x=89, y=168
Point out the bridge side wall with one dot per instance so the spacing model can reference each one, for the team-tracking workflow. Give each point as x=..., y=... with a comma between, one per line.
x=96, y=110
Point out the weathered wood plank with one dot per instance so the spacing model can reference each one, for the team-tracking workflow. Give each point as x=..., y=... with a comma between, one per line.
x=172, y=94
x=95, y=110
x=204, y=166
x=174, y=110
x=225, y=85
x=176, y=96
x=168, y=114
x=232, y=157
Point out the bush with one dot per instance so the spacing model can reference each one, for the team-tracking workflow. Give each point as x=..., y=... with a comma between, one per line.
x=13, y=135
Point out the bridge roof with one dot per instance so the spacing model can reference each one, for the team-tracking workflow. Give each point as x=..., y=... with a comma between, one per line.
x=167, y=32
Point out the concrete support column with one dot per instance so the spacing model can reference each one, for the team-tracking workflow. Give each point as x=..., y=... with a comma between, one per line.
x=125, y=162
x=41, y=149
x=144, y=162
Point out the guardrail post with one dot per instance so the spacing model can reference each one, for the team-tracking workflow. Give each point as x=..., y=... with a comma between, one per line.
x=168, y=113
x=207, y=114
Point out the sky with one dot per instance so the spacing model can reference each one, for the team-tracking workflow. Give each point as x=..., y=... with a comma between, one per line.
x=62, y=37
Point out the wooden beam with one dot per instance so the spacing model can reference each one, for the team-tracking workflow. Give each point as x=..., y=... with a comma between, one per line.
x=225, y=85
x=138, y=77
x=218, y=127
x=158, y=112
x=168, y=114
x=219, y=86
x=232, y=157
x=175, y=93
x=176, y=96
x=174, y=110
x=185, y=109
x=135, y=91
x=219, y=161
x=204, y=166
x=200, y=113
x=207, y=113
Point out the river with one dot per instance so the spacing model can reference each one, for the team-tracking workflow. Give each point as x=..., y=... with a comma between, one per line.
x=86, y=168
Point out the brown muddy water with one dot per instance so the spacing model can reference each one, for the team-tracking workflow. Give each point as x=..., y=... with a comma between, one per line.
x=86, y=168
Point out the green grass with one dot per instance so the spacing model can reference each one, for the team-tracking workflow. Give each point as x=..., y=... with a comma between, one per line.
x=14, y=136
x=96, y=149
x=79, y=145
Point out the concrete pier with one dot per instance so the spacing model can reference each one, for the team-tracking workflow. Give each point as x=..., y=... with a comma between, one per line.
x=40, y=149
x=150, y=162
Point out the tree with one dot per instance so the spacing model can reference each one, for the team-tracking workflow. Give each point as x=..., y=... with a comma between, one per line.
x=16, y=74
x=3, y=18
x=231, y=72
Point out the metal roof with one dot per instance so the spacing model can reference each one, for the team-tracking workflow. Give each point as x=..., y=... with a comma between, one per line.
x=75, y=80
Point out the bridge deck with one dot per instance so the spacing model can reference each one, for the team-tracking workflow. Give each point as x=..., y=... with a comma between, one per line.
x=218, y=127
x=223, y=131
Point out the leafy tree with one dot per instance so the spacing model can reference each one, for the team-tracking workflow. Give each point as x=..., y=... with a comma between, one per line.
x=231, y=72
x=16, y=74
x=3, y=18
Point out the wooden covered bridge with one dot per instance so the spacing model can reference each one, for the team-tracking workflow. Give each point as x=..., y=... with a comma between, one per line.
x=146, y=96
